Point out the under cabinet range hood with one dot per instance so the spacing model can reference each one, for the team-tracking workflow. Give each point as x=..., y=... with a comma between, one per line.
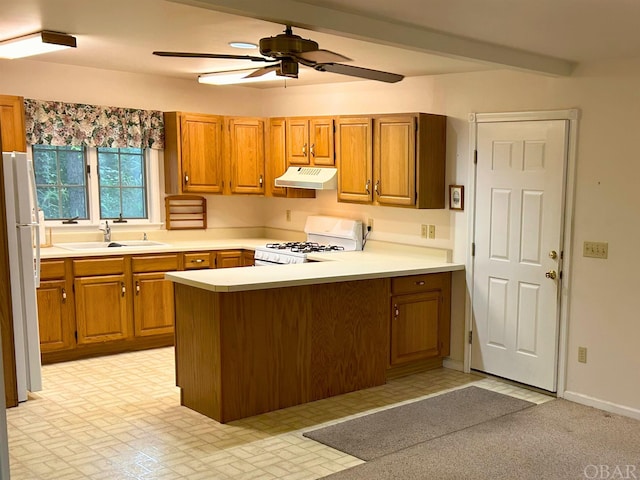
x=313, y=178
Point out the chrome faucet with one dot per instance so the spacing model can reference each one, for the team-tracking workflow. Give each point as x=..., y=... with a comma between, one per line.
x=106, y=229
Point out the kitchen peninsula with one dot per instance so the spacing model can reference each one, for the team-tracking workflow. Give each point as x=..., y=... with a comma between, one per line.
x=253, y=340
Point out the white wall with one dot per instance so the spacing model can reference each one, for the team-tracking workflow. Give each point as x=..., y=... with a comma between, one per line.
x=603, y=305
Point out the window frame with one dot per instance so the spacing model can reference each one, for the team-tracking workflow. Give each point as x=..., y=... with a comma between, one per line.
x=152, y=159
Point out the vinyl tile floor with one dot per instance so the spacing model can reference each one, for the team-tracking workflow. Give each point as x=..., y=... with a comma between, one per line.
x=119, y=417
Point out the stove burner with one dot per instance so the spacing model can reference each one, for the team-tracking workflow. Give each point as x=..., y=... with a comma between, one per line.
x=304, y=247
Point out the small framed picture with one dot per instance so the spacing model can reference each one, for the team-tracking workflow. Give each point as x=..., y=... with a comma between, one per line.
x=456, y=197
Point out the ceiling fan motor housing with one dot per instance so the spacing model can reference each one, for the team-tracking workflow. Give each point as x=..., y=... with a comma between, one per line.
x=284, y=45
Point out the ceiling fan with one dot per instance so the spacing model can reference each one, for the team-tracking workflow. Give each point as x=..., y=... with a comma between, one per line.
x=287, y=50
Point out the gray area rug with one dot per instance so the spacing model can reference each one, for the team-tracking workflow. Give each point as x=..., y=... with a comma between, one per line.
x=556, y=440
x=388, y=431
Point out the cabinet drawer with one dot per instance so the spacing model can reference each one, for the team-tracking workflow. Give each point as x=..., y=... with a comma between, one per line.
x=98, y=266
x=417, y=283
x=51, y=270
x=154, y=263
x=197, y=260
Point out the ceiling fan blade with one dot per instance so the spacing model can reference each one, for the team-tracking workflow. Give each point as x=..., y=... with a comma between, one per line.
x=359, y=72
x=322, y=56
x=263, y=71
x=213, y=55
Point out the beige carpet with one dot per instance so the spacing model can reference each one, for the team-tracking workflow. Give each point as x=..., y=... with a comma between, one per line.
x=556, y=440
x=388, y=431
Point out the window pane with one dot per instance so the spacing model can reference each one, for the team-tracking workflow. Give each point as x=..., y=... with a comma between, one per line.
x=61, y=181
x=122, y=183
x=133, y=202
x=132, y=170
x=110, y=202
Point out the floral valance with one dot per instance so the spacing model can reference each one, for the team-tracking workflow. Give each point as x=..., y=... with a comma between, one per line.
x=60, y=124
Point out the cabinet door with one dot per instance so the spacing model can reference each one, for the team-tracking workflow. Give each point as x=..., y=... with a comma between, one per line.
x=153, y=304
x=101, y=308
x=202, y=149
x=246, y=155
x=248, y=259
x=277, y=156
x=298, y=141
x=321, y=141
x=354, y=159
x=54, y=316
x=12, y=124
x=394, y=160
x=414, y=326
x=228, y=259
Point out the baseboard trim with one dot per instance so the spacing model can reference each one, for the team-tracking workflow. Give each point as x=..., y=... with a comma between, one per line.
x=602, y=404
x=453, y=364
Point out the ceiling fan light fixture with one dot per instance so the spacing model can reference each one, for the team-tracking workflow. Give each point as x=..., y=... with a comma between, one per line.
x=233, y=77
x=243, y=45
x=36, y=44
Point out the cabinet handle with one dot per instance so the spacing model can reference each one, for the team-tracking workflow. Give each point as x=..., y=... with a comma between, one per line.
x=64, y=295
x=197, y=260
x=396, y=312
x=421, y=282
x=261, y=180
x=377, y=187
x=123, y=288
x=366, y=187
x=186, y=178
x=313, y=152
x=137, y=288
x=304, y=149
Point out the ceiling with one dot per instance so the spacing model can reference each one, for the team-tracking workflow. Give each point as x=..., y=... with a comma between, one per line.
x=410, y=37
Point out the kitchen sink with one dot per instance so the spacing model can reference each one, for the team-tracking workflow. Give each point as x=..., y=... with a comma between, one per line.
x=84, y=246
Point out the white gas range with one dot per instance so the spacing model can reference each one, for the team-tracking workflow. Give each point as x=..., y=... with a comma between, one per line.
x=324, y=234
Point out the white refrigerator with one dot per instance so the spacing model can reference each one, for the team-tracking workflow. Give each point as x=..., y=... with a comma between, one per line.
x=23, y=232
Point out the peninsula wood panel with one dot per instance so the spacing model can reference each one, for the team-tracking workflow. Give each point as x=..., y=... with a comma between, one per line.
x=197, y=349
x=244, y=353
x=349, y=336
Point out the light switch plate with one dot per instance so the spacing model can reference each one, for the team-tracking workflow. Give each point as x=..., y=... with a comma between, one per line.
x=595, y=249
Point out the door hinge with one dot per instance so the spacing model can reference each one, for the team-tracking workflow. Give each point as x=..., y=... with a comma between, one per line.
x=475, y=157
x=88, y=169
x=75, y=334
x=473, y=249
x=560, y=275
x=470, y=336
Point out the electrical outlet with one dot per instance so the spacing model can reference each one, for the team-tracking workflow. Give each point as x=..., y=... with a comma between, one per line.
x=432, y=231
x=370, y=224
x=582, y=354
x=288, y=213
x=424, y=229
x=595, y=249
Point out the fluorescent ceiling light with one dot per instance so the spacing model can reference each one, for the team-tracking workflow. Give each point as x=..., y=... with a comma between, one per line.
x=247, y=45
x=35, y=44
x=230, y=77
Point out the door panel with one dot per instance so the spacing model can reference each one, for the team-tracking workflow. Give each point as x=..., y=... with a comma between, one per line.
x=519, y=205
x=202, y=144
x=353, y=150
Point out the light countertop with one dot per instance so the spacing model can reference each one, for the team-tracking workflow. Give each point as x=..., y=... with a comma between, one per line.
x=388, y=261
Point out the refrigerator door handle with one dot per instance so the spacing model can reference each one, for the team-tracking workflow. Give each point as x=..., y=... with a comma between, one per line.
x=35, y=225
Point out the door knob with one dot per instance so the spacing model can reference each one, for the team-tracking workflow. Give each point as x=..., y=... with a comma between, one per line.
x=553, y=254
x=551, y=274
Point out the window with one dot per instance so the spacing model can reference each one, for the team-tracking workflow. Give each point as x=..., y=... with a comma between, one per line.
x=61, y=181
x=67, y=189
x=121, y=176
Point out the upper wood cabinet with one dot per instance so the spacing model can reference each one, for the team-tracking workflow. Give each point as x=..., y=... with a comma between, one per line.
x=276, y=162
x=405, y=167
x=193, y=157
x=310, y=141
x=12, y=128
x=245, y=151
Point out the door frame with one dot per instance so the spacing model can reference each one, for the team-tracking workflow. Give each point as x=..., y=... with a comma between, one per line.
x=572, y=116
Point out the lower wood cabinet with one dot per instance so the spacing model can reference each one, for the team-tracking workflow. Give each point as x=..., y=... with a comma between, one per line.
x=153, y=304
x=102, y=308
x=99, y=305
x=420, y=318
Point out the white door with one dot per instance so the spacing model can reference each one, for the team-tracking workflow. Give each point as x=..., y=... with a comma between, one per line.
x=518, y=238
